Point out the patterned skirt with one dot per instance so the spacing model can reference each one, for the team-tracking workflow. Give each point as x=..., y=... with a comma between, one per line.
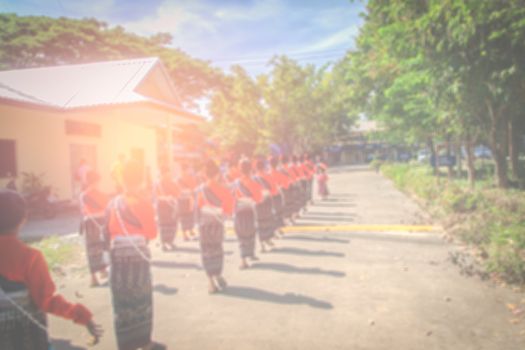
x=95, y=241
x=17, y=331
x=211, y=232
x=297, y=191
x=166, y=221
x=131, y=292
x=265, y=219
x=309, y=189
x=186, y=214
x=278, y=210
x=244, y=223
x=288, y=199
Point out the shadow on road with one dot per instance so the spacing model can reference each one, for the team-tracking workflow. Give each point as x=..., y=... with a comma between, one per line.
x=164, y=289
x=62, y=344
x=190, y=250
x=297, y=270
x=316, y=239
x=335, y=205
x=175, y=265
x=263, y=295
x=327, y=218
x=299, y=251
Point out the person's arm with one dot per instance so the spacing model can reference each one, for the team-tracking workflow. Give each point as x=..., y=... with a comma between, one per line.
x=43, y=293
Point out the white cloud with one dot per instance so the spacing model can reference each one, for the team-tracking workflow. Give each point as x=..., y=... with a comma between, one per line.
x=342, y=38
x=172, y=17
x=259, y=10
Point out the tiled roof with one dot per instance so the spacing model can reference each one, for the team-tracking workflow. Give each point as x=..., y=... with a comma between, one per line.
x=77, y=86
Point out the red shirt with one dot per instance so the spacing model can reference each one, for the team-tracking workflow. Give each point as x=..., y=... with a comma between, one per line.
x=254, y=188
x=221, y=192
x=93, y=202
x=270, y=182
x=188, y=182
x=23, y=264
x=280, y=178
x=233, y=174
x=167, y=187
x=138, y=218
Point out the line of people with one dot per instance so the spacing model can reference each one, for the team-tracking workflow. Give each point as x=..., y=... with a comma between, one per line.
x=260, y=195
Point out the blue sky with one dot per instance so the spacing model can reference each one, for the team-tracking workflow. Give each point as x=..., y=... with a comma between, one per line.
x=225, y=32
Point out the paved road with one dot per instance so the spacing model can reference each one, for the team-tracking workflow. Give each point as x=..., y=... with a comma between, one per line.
x=323, y=288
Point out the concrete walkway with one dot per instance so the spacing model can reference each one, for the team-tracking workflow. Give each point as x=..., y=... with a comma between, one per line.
x=322, y=288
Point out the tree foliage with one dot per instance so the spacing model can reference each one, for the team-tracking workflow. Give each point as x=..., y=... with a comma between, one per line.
x=35, y=41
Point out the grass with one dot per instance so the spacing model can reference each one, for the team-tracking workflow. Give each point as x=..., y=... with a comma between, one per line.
x=58, y=251
x=489, y=218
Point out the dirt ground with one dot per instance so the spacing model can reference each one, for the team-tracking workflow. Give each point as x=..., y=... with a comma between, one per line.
x=320, y=289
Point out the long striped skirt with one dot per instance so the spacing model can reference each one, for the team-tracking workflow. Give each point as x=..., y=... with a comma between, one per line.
x=166, y=221
x=278, y=210
x=17, y=331
x=131, y=291
x=211, y=236
x=186, y=214
x=288, y=199
x=95, y=242
x=265, y=219
x=310, y=189
x=304, y=192
x=244, y=224
x=297, y=197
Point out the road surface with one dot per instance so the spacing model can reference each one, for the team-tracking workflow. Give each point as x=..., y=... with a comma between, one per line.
x=361, y=270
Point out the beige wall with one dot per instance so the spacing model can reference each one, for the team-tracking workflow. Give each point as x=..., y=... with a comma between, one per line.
x=42, y=145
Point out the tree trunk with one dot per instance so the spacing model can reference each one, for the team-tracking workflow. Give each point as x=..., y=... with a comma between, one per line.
x=513, y=148
x=471, y=169
x=498, y=140
x=459, y=160
x=430, y=145
x=450, y=169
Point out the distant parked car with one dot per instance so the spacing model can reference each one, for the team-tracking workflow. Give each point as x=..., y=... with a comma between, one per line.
x=482, y=152
x=423, y=156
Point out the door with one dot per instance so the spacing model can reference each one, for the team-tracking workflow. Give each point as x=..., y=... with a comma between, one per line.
x=83, y=157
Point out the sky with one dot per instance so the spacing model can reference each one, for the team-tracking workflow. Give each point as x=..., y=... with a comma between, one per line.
x=225, y=32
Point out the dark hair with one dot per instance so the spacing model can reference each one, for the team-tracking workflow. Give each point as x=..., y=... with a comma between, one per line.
x=132, y=174
x=246, y=167
x=12, y=210
x=284, y=159
x=211, y=169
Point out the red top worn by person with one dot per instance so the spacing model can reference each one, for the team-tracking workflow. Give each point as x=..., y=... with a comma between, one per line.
x=221, y=192
x=93, y=202
x=247, y=187
x=22, y=264
x=266, y=180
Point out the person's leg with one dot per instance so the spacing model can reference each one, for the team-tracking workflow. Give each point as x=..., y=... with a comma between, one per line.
x=94, y=280
x=221, y=281
x=212, y=287
x=244, y=263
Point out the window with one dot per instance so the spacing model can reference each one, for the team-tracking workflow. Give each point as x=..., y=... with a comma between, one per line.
x=74, y=127
x=7, y=158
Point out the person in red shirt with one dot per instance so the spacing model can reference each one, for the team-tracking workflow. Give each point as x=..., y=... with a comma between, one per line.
x=214, y=201
x=309, y=168
x=93, y=204
x=131, y=225
x=282, y=182
x=266, y=218
x=166, y=193
x=27, y=292
x=187, y=183
x=248, y=194
x=295, y=199
x=322, y=183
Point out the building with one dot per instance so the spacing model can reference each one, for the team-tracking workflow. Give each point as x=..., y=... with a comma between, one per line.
x=52, y=118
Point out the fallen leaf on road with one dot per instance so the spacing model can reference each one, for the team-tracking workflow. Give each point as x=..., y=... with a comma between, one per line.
x=512, y=307
x=448, y=299
x=372, y=322
x=78, y=295
x=518, y=311
x=429, y=333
